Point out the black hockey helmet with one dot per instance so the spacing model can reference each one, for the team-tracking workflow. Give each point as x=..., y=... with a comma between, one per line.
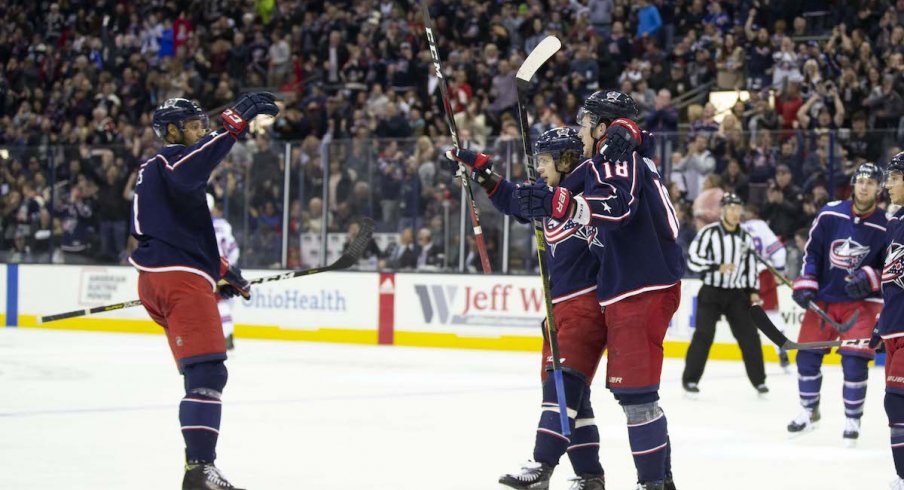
x=177, y=111
x=896, y=164
x=558, y=140
x=606, y=106
x=730, y=198
x=869, y=170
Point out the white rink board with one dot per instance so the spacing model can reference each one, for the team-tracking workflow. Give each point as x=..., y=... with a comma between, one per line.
x=345, y=300
x=469, y=304
x=512, y=305
x=341, y=300
x=49, y=289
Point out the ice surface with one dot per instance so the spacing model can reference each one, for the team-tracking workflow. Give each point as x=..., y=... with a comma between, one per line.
x=97, y=411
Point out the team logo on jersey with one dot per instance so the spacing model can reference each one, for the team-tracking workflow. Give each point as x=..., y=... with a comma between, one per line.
x=893, y=271
x=557, y=232
x=847, y=254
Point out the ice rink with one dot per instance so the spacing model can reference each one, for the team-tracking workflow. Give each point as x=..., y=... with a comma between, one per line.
x=99, y=411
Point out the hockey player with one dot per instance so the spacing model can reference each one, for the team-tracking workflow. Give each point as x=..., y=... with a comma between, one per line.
x=770, y=248
x=840, y=273
x=890, y=328
x=228, y=248
x=641, y=264
x=581, y=336
x=180, y=268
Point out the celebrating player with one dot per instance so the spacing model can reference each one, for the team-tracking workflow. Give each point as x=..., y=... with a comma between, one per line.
x=891, y=322
x=180, y=268
x=840, y=273
x=581, y=337
x=639, y=282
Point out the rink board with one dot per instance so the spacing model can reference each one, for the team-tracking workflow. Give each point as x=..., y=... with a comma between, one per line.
x=492, y=312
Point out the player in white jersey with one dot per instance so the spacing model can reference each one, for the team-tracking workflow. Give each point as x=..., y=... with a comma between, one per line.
x=771, y=249
x=230, y=249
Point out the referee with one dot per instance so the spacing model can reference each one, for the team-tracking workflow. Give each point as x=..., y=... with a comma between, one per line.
x=725, y=256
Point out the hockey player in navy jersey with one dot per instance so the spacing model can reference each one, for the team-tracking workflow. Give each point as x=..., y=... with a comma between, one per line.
x=581, y=337
x=890, y=328
x=641, y=264
x=842, y=264
x=180, y=269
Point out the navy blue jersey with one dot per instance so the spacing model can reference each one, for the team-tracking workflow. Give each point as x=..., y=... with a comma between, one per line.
x=891, y=321
x=637, y=225
x=572, y=267
x=840, y=243
x=170, y=218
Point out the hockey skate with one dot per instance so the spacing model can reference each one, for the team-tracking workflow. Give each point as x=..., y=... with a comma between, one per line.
x=230, y=342
x=783, y=361
x=669, y=483
x=762, y=390
x=851, y=431
x=806, y=420
x=898, y=484
x=205, y=476
x=588, y=482
x=691, y=390
x=651, y=485
x=532, y=476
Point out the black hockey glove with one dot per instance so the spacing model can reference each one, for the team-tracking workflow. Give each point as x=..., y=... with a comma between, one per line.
x=805, y=288
x=862, y=283
x=233, y=284
x=622, y=138
x=542, y=201
x=245, y=109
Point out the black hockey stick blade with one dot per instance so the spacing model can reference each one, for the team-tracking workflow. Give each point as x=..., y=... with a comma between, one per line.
x=762, y=322
x=844, y=327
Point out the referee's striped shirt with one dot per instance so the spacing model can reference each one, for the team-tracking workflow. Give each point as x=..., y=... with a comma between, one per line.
x=713, y=246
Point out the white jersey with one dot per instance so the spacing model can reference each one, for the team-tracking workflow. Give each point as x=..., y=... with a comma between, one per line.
x=225, y=241
x=768, y=246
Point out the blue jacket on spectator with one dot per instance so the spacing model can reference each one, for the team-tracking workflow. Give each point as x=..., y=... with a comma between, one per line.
x=648, y=20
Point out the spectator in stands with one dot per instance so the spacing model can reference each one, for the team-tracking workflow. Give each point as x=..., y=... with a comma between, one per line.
x=430, y=256
x=783, y=204
x=404, y=254
x=695, y=166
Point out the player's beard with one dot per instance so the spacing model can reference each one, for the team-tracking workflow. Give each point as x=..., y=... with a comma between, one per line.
x=864, y=206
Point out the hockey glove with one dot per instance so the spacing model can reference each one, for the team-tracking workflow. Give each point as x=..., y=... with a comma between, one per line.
x=875, y=341
x=245, y=109
x=478, y=165
x=233, y=284
x=542, y=201
x=862, y=283
x=622, y=138
x=805, y=288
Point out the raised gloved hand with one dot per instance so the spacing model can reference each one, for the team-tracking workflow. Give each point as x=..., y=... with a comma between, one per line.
x=805, y=288
x=863, y=282
x=246, y=108
x=232, y=284
x=542, y=201
x=479, y=165
x=622, y=138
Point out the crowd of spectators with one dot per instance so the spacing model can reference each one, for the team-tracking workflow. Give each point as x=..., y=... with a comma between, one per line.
x=820, y=87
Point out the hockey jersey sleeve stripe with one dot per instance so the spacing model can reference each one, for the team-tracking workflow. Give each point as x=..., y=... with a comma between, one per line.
x=874, y=226
x=195, y=152
x=806, y=284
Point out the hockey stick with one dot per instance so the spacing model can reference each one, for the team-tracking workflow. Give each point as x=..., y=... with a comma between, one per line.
x=812, y=306
x=450, y=121
x=545, y=50
x=762, y=321
x=349, y=258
